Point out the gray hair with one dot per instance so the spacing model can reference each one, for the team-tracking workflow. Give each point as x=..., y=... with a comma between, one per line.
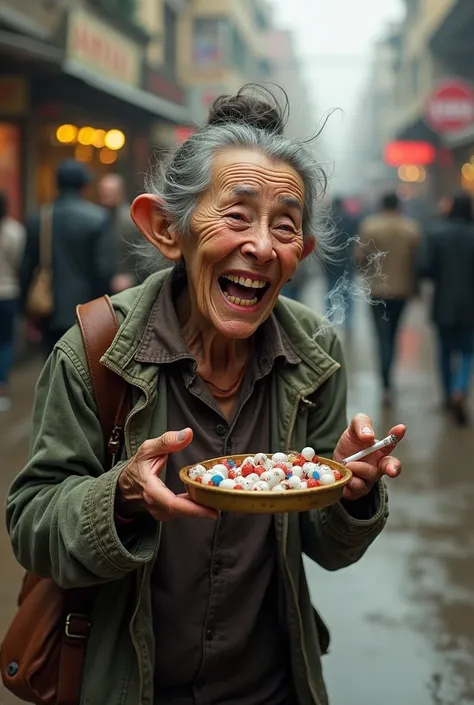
x=186, y=174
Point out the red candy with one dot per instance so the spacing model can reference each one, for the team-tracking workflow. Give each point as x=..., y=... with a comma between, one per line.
x=238, y=487
x=299, y=460
x=281, y=466
x=337, y=475
x=247, y=469
x=313, y=483
x=316, y=460
x=198, y=479
x=232, y=474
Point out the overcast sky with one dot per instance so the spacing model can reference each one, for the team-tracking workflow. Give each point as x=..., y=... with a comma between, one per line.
x=336, y=28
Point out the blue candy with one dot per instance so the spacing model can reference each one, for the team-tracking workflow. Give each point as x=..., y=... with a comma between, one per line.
x=231, y=463
x=217, y=479
x=315, y=475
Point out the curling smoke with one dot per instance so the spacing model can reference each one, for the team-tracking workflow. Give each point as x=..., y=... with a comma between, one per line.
x=355, y=287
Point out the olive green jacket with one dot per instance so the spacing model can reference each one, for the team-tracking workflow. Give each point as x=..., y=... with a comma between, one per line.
x=60, y=509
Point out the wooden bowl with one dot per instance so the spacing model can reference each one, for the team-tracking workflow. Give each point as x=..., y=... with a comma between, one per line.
x=249, y=502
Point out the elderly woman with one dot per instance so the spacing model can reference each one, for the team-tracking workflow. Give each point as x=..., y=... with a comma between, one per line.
x=190, y=606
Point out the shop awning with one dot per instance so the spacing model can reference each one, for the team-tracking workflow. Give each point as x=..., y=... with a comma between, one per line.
x=29, y=49
x=158, y=107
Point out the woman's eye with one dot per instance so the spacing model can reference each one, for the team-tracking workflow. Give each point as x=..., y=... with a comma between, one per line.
x=235, y=216
x=286, y=227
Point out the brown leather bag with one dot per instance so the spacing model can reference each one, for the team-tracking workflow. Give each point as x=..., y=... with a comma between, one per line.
x=39, y=300
x=42, y=654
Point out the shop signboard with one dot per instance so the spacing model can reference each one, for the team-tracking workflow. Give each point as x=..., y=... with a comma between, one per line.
x=450, y=107
x=102, y=49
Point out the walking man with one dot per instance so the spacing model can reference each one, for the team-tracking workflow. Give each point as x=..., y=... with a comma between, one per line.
x=393, y=280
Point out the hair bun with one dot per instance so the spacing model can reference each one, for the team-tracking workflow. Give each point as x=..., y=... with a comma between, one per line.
x=261, y=111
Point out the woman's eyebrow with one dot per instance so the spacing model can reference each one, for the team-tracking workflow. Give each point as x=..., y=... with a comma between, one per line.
x=244, y=190
x=291, y=202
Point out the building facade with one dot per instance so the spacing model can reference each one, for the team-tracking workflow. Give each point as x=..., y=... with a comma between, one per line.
x=222, y=46
x=77, y=80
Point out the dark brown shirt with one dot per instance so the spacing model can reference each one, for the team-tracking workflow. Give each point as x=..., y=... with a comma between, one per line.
x=215, y=584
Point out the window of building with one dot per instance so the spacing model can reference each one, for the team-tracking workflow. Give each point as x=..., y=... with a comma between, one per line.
x=170, y=39
x=209, y=41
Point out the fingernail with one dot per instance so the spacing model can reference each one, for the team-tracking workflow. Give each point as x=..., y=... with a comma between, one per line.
x=367, y=431
x=181, y=435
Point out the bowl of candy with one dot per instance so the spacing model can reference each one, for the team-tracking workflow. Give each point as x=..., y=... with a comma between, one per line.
x=266, y=483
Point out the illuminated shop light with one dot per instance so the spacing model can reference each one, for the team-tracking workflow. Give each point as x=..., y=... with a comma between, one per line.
x=114, y=139
x=86, y=135
x=108, y=156
x=66, y=134
x=98, y=139
x=83, y=153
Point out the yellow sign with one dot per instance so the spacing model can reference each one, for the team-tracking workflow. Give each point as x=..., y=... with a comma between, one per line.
x=13, y=95
x=104, y=50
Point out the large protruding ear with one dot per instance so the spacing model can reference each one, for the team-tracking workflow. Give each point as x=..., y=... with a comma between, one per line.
x=149, y=215
x=308, y=246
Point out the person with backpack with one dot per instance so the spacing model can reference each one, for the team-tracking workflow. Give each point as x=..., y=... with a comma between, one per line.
x=12, y=242
x=70, y=240
x=177, y=602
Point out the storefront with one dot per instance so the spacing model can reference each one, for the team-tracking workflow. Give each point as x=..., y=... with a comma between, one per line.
x=13, y=112
x=85, y=101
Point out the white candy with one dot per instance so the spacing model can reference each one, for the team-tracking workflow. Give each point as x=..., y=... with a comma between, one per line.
x=272, y=478
x=308, y=453
x=279, y=473
x=324, y=470
x=260, y=458
x=265, y=476
x=220, y=469
x=253, y=477
x=294, y=482
x=303, y=486
x=249, y=459
x=207, y=477
x=227, y=484
x=261, y=486
x=246, y=483
x=309, y=468
x=280, y=458
x=297, y=471
x=197, y=471
x=269, y=464
x=327, y=479
x=278, y=488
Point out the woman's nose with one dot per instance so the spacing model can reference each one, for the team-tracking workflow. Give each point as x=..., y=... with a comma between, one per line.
x=260, y=247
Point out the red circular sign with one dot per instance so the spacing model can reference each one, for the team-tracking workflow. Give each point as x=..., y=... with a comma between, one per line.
x=450, y=107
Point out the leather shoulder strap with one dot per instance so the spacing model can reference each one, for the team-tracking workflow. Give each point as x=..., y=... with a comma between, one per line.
x=99, y=325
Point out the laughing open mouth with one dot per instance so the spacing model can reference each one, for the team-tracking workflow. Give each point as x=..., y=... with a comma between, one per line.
x=243, y=291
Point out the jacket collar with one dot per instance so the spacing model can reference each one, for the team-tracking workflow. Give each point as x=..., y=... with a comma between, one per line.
x=134, y=306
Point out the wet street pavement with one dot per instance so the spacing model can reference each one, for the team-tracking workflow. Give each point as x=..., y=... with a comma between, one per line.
x=402, y=620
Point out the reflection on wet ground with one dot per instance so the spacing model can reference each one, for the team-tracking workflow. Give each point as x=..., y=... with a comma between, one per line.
x=402, y=620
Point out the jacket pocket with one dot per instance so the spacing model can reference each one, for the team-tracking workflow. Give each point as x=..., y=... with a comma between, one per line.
x=323, y=633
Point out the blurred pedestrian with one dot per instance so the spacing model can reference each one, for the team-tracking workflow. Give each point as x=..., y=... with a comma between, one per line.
x=81, y=247
x=12, y=241
x=125, y=234
x=340, y=267
x=388, y=249
x=448, y=260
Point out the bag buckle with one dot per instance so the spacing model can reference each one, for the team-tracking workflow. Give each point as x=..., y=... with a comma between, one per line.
x=69, y=630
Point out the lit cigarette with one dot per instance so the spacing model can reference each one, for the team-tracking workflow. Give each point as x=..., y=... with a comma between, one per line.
x=389, y=441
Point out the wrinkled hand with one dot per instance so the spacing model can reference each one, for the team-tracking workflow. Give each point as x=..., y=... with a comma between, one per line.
x=359, y=435
x=140, y=488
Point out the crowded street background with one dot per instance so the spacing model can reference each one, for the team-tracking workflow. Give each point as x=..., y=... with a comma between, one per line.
x=94, y=97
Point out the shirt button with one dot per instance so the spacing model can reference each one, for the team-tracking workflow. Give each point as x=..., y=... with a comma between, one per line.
x=216, y=568
x=221, y=429
x=209, y=635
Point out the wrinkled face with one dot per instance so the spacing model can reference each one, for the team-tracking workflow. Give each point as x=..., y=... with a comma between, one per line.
x=247, y=240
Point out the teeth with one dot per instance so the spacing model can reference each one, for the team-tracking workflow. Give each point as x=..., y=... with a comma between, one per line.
x=241, y=302
x=245, y=282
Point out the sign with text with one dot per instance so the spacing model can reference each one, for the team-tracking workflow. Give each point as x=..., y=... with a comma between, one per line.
x=450, y=107
x=102, y=49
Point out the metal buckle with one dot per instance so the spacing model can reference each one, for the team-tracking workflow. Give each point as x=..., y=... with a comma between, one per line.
x=67, y=630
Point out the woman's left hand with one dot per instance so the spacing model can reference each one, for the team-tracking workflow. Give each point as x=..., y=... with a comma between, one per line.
x=366, y=472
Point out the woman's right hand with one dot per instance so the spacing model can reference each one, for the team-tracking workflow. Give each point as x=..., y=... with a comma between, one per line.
x=140, y=488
